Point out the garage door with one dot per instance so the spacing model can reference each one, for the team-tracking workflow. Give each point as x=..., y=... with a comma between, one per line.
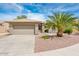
x=21, y=30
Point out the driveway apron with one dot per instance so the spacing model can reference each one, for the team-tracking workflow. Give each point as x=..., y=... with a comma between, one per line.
x=17, y=45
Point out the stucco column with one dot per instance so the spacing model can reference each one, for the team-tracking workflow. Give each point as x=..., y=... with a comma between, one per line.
x=43, y=28
x=10, y=29
x=36, y=28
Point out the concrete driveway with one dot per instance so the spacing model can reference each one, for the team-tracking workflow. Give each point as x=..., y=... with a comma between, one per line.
x=17, y=45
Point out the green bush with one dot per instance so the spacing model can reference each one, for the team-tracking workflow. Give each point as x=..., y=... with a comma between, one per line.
x=77, y=25
x=68, y=30
x=45, y=37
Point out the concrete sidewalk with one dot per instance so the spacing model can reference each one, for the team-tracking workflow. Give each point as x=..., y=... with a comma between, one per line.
x=67, y=51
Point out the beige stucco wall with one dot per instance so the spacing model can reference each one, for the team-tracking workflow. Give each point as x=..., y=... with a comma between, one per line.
x=4, y=27
x=2, y=30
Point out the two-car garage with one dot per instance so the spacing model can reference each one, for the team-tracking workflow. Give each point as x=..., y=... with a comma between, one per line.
x=23, y=27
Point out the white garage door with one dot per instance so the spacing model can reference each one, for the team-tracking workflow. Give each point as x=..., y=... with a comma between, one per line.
x=21, y=30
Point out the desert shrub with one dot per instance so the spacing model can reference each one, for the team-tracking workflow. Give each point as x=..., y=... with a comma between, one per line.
x=68, y=30
x=77, y=25
x=45, y=37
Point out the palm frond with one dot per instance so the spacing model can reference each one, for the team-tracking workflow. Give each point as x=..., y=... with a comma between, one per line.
x=60, y=19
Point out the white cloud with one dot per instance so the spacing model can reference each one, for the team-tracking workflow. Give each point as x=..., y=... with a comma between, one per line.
x=59, y=8
x=21, y=9
x=73, y=8
x=36, y=16
x=63, y=8
x=4, y=17
x=10, y=7
x=18, y=7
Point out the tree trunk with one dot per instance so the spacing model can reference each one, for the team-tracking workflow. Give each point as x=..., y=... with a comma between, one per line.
x=60, y=33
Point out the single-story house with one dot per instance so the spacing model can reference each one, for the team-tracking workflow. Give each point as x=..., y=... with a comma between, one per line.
x=22, y=27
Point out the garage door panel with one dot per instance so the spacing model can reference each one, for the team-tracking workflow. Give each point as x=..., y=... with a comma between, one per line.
x=21, y=30
x=23, y=27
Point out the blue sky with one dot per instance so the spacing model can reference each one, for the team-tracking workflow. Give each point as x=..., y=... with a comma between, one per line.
x=39, y=11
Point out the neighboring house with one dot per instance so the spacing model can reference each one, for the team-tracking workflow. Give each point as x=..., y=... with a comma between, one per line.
x=25, y=27
x=3, y=27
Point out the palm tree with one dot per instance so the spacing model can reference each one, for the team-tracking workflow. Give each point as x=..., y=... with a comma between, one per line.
x=59, y=21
